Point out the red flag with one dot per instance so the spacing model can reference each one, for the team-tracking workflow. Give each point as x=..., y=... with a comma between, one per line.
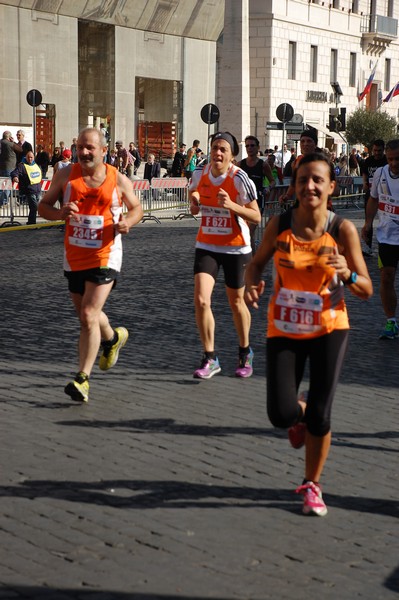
x=368, y=84
x=394, y=92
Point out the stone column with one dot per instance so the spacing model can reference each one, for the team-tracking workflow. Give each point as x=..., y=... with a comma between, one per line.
x=234, y=80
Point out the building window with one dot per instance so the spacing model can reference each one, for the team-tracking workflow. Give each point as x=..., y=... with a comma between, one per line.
x=313, y=63
x=352, y=69
x=335, y=4
x=387, y=74
x=333, y=65
x=390, y=8
x=292, y=60
x=355, y=6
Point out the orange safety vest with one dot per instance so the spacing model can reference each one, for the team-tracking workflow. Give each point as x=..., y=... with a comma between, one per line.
x=90, y=237
x=219, y=226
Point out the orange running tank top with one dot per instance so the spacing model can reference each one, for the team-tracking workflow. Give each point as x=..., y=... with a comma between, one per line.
x=90, y=237
x=219, y=226
x=308, y=298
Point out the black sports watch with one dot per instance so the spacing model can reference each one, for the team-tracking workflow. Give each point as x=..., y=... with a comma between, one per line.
x=351, y=279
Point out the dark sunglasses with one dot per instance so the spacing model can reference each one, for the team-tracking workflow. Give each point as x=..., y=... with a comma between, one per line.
x=250, y=145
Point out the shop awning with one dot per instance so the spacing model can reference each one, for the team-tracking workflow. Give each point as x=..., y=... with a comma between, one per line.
x=337, y=139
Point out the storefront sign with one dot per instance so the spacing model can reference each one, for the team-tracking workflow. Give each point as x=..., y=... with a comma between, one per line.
x=314, y=96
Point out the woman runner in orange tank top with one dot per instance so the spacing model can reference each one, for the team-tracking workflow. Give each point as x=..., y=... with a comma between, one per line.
x=226, y=199
x=315, y=254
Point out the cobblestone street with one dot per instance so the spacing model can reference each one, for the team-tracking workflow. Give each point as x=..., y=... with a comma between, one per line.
x=166, y=487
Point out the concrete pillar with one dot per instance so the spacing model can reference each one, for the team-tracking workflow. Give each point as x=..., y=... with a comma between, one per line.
x=234, y=80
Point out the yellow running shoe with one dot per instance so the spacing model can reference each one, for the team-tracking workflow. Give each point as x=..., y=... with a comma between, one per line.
x=110, y=355
x=78, y=391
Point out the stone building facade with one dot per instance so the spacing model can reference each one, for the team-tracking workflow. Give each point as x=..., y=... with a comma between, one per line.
x=298, y=48
x=138, y=66
x=143, y=64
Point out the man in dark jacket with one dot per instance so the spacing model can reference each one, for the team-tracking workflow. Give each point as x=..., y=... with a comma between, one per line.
x=178, y=161
x=29, y=177
x=24, y=145
x=42, y=159
x=152, y=168
x=10, y=154
x=136, y=155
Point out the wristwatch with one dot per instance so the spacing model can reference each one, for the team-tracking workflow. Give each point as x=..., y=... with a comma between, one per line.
x=351, y=279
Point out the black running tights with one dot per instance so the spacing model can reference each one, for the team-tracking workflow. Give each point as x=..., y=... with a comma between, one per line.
x=285, y=365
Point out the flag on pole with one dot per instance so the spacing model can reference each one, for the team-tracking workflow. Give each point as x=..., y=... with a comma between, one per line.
x=394, y=92
x=368, y=84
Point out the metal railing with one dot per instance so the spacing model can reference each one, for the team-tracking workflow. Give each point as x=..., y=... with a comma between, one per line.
x=165, y=198
x=380, y=25
x=168, y=198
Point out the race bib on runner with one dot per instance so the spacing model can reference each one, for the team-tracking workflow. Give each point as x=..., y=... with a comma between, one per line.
x=86, y=231
x=216, y=221
x=388, y=205
x=298, y=312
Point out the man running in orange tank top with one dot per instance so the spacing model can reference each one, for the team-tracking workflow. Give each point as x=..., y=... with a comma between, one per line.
x=93, y=197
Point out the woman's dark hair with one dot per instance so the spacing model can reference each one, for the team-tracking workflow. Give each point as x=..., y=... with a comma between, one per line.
x=315, y=157
x=227, y=137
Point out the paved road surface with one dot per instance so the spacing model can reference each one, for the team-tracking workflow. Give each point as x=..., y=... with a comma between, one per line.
x=168, y=487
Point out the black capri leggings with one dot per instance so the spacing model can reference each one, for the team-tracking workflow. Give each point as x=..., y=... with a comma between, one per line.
x=285, y=365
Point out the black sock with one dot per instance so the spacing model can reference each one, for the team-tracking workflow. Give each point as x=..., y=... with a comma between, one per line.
x=243, y=351
x=210, y=355
x=81, y=377
x=109, y=343
x=305, y=481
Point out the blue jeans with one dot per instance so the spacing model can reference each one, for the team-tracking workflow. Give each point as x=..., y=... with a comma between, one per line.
x=33, y=201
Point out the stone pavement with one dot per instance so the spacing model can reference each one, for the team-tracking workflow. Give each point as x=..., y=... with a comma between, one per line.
x=167, y=487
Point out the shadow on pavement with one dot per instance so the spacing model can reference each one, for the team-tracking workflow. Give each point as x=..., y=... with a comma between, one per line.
x=169, y=426
x=392, y=583
x=141, y=494
x=172, y=427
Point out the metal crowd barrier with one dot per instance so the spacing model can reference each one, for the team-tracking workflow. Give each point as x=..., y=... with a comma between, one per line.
x=167, y=198
x=12, y=205
x=351, y=193
x=164, y=198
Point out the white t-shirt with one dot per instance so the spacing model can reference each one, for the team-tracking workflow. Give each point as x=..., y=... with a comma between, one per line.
x=279, y=158
x=386, y=189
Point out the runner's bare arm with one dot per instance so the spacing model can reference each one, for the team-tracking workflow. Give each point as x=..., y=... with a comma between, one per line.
x=254, y=284
x=250, y=212
x=268, y=173
x=46, y=207
x=371, y=211
x=134, y=209
x=194, y=202
x=350, y=259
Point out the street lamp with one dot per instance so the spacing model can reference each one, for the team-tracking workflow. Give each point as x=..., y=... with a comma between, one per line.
x=337, y=117
x=337, y=89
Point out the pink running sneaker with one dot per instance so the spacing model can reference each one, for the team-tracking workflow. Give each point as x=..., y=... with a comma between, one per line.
x=313, y=503
x=208, y=368
x=297, y=433
x=245, y=368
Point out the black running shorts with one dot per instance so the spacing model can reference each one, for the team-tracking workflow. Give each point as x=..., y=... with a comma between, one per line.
x=100, y=276
x=233, y=266
x=388, y=255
